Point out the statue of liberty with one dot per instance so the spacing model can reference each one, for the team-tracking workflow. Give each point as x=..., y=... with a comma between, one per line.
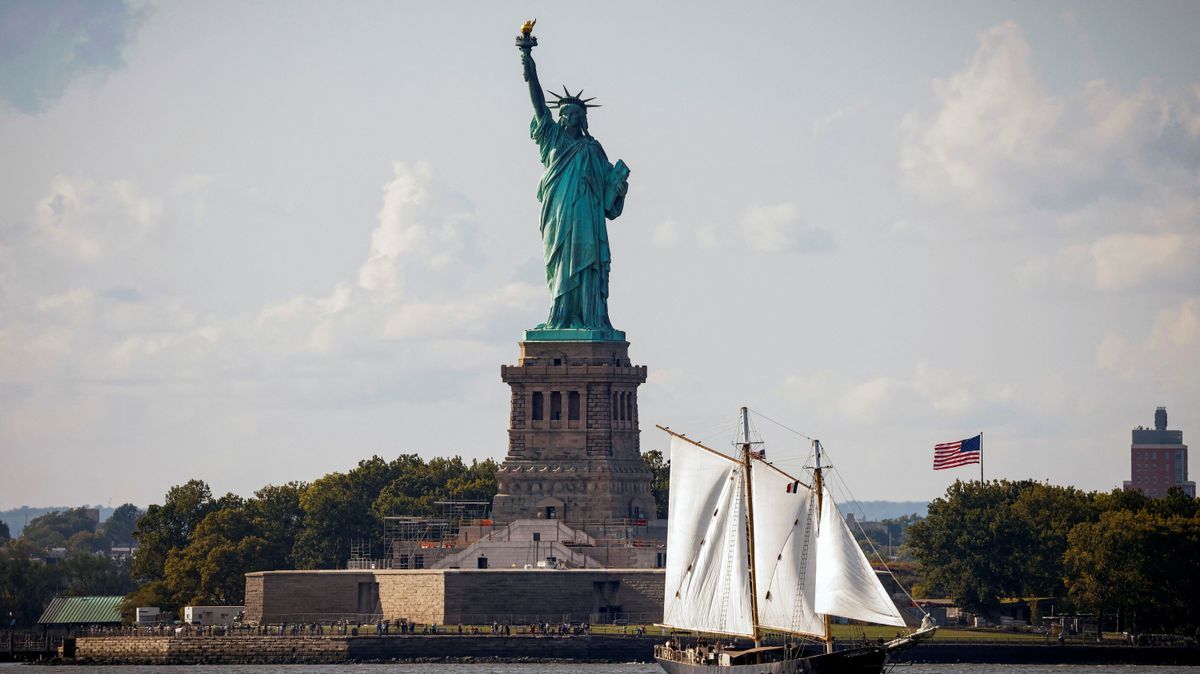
x=578, y=190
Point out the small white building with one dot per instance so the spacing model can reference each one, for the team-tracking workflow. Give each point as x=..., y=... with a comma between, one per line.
x=211, y=615
x=149, y=615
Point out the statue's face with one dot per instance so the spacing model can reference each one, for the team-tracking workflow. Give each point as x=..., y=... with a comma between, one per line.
x=571, y=117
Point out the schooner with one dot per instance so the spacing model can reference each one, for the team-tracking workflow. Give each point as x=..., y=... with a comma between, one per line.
x=752, y=549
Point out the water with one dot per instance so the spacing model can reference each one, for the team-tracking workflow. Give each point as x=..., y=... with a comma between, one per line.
x=560, y=668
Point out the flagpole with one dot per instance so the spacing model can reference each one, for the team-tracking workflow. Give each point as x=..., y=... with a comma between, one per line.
x=980, y=457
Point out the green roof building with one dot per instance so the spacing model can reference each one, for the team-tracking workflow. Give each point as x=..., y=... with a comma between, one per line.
x=69, y=611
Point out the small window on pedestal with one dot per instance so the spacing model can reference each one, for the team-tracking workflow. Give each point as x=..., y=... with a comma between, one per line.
x=573, y=406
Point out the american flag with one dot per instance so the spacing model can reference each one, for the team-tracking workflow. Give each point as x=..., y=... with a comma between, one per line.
x=959, y=453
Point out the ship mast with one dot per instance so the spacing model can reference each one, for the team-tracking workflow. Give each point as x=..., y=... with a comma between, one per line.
x=750, y=524
x=819, y=485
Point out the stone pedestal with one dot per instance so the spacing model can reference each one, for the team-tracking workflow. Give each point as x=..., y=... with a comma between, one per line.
x=573, y=438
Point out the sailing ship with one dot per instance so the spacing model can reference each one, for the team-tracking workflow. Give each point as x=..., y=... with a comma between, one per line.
x=752, y=550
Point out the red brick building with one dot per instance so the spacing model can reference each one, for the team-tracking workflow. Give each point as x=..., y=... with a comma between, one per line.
x=1158, y=459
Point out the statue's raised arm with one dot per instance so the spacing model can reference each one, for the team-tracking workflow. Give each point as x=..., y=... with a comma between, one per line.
x=526, y=42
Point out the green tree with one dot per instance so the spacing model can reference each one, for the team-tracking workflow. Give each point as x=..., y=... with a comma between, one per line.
x=419, y=485
x=5, y=536
x=1048, y=513
x=338, y=510
x=55, y=529
x=87, y=542
x=278, y=517
x=26, y=584
x=476, y=482
x=85, y=573
x=983, y=542
x=119, y=527
x=168, y=526
x=154, y=593
x=660, y=482
x=1176, y=503
x=211, y=569
x=414, y=487
x=1143, y=567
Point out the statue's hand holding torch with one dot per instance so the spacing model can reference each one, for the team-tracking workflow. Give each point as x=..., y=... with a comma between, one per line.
x=526, y=42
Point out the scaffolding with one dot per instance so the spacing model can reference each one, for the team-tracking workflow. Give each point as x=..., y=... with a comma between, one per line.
x=425, y=541
x=360, y=556
x=418, y=542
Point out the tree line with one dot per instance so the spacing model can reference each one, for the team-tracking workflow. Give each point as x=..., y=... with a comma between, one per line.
x=194, y=549
x=1121, y=554
x=31, y=573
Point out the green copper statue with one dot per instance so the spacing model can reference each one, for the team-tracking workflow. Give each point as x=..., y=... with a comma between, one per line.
x=578, y=190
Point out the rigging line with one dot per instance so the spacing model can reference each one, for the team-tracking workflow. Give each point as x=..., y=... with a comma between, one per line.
x=786, y=428
x=858, y=523
x=724, y=428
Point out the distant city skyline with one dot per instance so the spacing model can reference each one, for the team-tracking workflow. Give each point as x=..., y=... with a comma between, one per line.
x=259, y=242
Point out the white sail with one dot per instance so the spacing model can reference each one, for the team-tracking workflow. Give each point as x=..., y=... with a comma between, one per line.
x=785, y=552
x=846, y=584
x=707, y=579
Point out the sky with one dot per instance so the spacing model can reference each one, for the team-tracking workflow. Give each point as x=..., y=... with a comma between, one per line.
x=252, y=243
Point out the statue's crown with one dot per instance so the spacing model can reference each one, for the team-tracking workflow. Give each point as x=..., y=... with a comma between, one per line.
x=570, y=99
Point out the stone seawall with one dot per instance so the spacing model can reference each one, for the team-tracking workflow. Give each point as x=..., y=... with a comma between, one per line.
x=337, y=649
x=591, y=648
x=210, y=650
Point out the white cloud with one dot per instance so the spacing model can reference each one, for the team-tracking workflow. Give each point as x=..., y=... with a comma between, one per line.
x=90, y=219
x=1112, y=170
x=666, y=234
x=998, y=141
x=1167, y=352
x=75, y=297
x=1178, y=329
x=707, y=237
x=64, y=337
x=838, y=116
x=414, y=224
x=926, y=393
x=988, y=131
x=1122, y=261
x=776, y=228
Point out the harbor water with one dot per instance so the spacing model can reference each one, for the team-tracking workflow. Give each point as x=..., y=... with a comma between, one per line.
x=553, y=668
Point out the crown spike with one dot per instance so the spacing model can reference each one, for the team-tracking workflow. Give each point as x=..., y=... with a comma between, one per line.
x=567, y=98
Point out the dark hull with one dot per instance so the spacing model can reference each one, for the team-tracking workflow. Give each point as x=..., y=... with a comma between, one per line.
x=869, y=660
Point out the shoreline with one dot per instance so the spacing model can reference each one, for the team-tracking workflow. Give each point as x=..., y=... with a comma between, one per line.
x=252, y=650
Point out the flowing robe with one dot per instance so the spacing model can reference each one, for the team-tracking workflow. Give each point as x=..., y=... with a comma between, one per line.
x=574, y=235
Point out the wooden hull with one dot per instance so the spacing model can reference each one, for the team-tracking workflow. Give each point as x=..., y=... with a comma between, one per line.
x=870, y=660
